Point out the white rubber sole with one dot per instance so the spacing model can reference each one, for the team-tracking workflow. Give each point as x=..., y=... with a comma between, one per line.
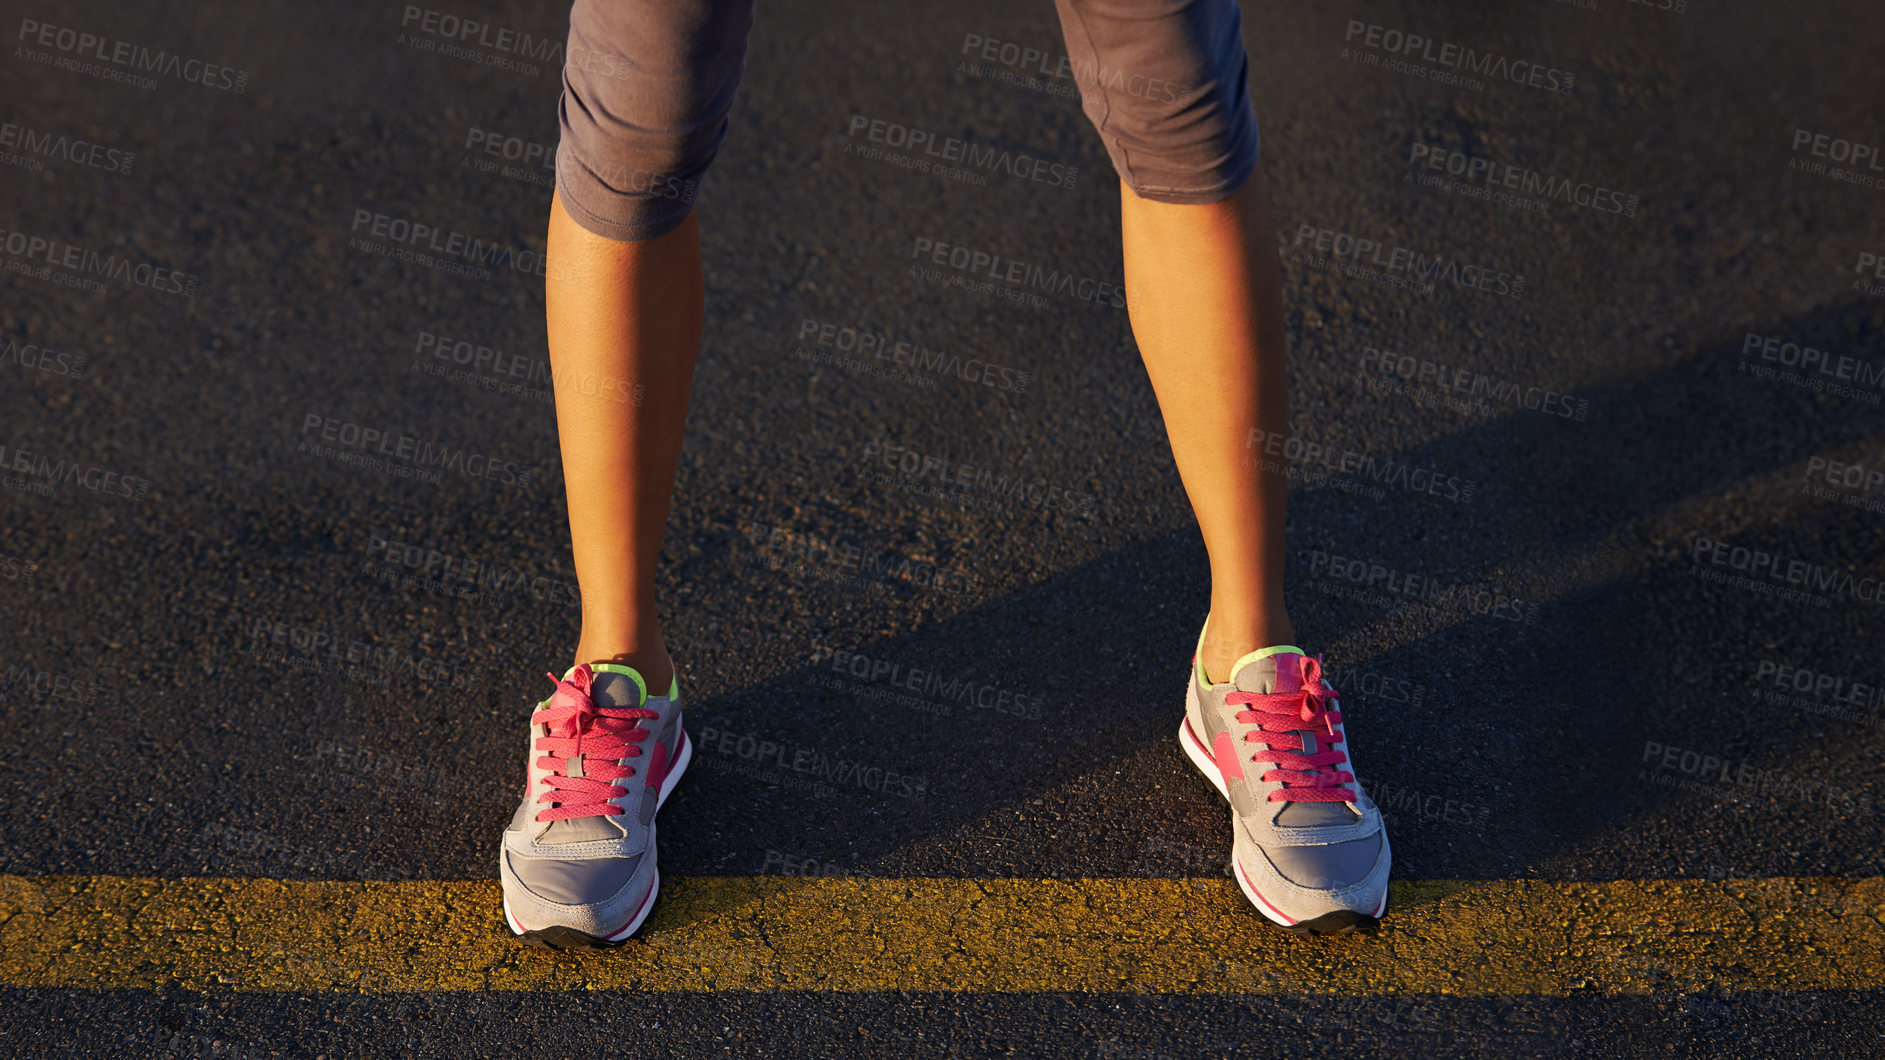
x=681, y=759
x=1201, y=758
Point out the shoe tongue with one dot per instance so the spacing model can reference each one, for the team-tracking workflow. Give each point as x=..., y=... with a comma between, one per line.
x=615, y=691
x=1281, y=671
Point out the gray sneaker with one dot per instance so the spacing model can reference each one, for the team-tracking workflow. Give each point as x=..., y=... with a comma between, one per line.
x=1309, y=848
x=578, y=858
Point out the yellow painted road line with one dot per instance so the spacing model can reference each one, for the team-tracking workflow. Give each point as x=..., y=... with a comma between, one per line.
x=1142, y=936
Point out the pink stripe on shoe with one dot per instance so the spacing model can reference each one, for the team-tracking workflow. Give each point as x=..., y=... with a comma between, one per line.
x=658, y=766
x=1224, y=753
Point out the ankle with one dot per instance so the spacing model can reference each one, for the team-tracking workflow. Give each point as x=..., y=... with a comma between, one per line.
x=1224, y=645
x=650, y=661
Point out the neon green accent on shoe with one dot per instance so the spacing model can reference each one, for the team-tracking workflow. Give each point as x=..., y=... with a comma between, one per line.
x=1264, y=653
x=674, y=683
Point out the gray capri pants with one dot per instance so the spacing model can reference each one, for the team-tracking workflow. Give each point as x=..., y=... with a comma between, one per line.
x=648, y=84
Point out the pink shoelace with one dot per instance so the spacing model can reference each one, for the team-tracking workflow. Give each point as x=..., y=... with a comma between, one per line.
x=596, y=737
x=1279, y=716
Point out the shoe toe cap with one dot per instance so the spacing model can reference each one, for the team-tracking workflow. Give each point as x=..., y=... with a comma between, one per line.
x=1332, y=867
x=586, y=881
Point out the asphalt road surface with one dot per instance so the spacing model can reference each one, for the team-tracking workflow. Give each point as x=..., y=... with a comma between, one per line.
x=1606, y=610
